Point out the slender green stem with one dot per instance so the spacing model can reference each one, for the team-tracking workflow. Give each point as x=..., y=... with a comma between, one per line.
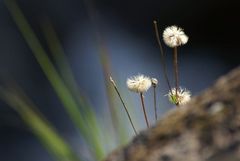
x=125, y=107
x=68, y=77
x=163, y=61
x=144, y=111
x=53, y=76
x=40, y=127
x=155, y=102
x=175, y=64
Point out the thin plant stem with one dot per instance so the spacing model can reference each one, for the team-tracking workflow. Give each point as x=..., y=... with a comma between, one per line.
x=125, y=107
x=53, y=76
x=163, y=61
x=144, y=111
x=155, y=102
x=175, y=64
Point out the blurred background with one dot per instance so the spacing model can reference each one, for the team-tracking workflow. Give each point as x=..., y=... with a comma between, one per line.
x=55, y=62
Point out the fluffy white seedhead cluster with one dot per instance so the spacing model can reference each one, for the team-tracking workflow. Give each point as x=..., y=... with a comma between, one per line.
x=139, y=83
x=174, y=36
x=183, y=96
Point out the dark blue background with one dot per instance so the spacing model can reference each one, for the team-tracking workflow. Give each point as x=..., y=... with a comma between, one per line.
x=126, y=26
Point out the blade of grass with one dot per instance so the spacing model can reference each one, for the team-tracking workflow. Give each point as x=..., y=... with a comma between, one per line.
x=110, y=95
x=49, y=70
x=118, y=127
x=60, y=58
x=40, y=127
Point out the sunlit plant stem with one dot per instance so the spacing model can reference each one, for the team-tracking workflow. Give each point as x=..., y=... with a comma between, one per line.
x=163, y=62
x=175, y=64
x=144, y=110
x=125, y=107
x=154, y=85
x=155, y=102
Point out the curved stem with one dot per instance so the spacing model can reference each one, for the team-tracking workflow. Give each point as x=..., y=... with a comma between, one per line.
x=163, y=61
x=125, y=107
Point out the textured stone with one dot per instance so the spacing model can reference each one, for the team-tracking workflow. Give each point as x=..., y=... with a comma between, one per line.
x=205, y=129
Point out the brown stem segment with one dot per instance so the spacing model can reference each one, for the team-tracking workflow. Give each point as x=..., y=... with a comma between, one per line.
x=125, y=107
x=155, y=102
x=129, y=117
x=163, y=62
x=144, y=111
x=175, y=63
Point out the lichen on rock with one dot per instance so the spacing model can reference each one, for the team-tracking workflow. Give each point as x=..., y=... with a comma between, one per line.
x=205, y=129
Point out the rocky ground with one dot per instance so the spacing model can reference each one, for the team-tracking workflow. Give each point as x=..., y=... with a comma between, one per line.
x=206, y=129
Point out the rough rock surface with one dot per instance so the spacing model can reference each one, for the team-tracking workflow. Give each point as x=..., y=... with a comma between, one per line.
x=206, y=129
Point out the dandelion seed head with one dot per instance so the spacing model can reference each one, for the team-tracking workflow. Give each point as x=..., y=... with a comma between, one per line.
x=139, y=83
x=154, y=82
x=174, y=36
x=183, y=96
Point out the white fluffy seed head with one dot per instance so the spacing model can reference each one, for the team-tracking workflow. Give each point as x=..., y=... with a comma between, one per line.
x=139, y=83
x=174, y=36
x=154, y=82
x=183, y=96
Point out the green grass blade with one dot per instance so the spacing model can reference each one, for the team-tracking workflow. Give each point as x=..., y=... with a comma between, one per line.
x=59, y=56
x=51, y=73
x=42, y=129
